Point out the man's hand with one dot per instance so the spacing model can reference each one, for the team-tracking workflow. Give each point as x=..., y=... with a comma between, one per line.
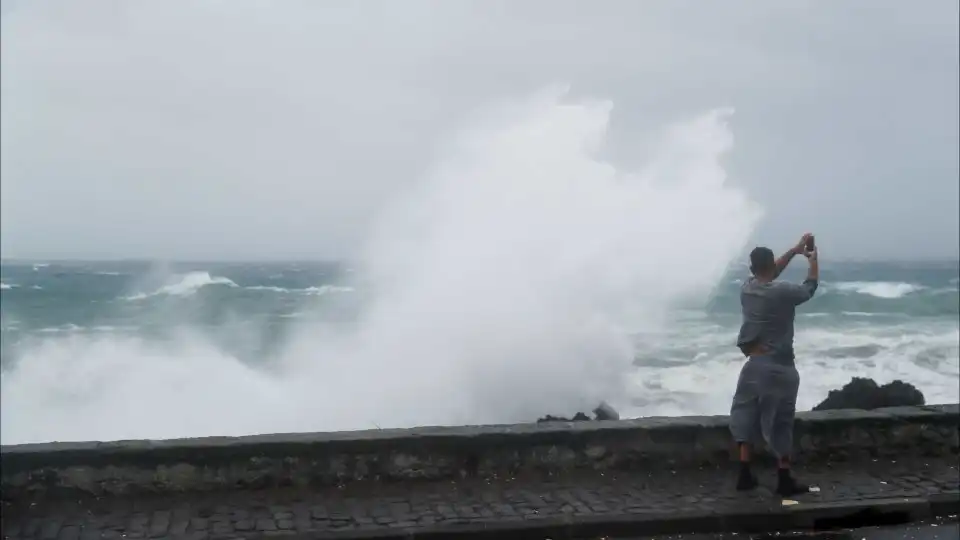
x=812, y=254
x=801, y=246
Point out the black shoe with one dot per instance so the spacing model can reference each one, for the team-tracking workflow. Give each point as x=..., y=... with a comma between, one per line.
x=746, y=480
x=787, y=485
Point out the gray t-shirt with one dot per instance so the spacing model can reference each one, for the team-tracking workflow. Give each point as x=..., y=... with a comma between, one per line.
x=768, y=312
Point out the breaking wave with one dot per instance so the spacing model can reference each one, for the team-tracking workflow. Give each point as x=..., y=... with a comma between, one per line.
x=185, y=285
x=505, y=285
x=878, y=289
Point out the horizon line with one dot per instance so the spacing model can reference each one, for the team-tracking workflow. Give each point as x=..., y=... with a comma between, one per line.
x=143, y=259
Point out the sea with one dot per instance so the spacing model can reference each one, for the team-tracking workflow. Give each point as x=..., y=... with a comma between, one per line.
x=522, y=274
x=124, y=349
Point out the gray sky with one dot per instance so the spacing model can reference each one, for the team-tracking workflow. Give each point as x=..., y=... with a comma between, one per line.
x=241, y=129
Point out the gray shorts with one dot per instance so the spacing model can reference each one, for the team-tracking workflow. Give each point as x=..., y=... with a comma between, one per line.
x=765, y=404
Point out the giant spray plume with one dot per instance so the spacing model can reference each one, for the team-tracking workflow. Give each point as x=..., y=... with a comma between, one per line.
x=504, y=286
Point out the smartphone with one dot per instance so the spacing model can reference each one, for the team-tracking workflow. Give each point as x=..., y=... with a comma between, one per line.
x=810, y=245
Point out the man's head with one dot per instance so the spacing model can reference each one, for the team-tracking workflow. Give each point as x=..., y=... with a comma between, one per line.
x=762, y=263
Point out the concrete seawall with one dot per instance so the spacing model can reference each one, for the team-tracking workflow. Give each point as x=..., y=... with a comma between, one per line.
x=444, y=453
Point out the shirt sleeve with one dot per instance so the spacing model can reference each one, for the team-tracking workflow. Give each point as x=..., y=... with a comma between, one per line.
x=798, y=294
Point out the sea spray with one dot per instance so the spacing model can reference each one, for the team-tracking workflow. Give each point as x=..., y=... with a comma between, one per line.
x=506, y=285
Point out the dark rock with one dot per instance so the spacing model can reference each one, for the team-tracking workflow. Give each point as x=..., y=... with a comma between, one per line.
x=603, y=412
x=866, y=394
x=579, y=417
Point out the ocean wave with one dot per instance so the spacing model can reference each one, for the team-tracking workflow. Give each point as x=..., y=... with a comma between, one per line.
x=8, y=286
x=327, y=289
x=268, y=288
x=878, y=289
x=852, y=351
x=483, y=311
x=827, y=359
x=819, y=314
x=75, y=328
x=186, y=285
x=57, y=329
x=319, y=291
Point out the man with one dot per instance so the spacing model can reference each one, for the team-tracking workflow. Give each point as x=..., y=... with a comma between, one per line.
x=765, y=401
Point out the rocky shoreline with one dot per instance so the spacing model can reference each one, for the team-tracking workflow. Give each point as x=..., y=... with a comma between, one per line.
x=859, y=393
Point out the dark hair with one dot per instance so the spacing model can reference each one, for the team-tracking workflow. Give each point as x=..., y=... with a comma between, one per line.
x=761, y=261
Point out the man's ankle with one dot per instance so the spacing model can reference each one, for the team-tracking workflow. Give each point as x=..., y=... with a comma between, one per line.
x=745, y=479
x=787, y=485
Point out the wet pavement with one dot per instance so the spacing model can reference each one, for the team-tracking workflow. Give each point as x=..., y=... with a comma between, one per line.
x=630, y=502
x=946, y=528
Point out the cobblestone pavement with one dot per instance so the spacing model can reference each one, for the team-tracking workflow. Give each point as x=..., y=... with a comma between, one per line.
x=938, y=529
x=945, y=528
x=367, y=508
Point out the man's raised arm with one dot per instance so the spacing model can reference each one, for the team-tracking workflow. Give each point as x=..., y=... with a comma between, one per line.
x=799, y=294
x=785, y=259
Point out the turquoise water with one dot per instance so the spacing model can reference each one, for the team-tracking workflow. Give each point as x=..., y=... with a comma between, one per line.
x=102, y=323
x=43, y=302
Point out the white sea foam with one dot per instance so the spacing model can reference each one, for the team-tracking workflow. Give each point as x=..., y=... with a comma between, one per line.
x=827, y=359
x=328, y=289
x=270, y=289
x=503, y=287
x=57, y=329
x=879, y=289
x=319, y=291
x=8, y=286
x=185, y=285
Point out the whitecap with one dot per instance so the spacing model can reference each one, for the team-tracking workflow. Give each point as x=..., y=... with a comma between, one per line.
x=267, y=288
x=186, y=285
x=945, y=290
x=322, y=290
x=328, y=289
x=878, y=289
x=924, y=355
x=70, y=327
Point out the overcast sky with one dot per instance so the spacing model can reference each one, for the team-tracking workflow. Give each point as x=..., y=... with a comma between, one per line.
x=240, y=129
